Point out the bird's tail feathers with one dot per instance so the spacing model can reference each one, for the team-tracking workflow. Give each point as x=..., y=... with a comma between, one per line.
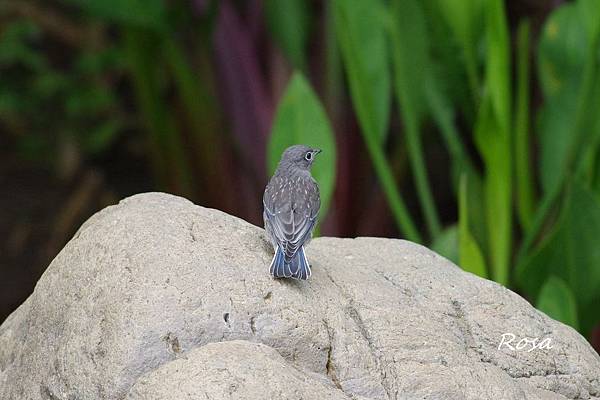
x=297, y=267
x=279, y=268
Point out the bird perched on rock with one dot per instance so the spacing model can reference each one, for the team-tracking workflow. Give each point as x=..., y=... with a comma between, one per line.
x=291, y=204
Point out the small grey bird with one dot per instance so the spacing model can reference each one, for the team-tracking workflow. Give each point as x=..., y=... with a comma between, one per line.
x=291, y=204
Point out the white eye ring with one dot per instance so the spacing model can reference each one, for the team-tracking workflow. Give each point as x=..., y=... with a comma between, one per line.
x=308, y=156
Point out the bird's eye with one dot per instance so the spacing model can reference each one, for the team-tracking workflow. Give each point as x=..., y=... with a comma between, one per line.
x=308, y=156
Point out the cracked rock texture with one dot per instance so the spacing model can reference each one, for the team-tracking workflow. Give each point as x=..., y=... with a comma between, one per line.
x=156, y=298
x=235, y=369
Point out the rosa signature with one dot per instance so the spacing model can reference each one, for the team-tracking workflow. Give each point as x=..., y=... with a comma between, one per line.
x=509, y=341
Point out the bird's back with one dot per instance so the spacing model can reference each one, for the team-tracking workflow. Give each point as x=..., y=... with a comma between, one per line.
x=291, y=203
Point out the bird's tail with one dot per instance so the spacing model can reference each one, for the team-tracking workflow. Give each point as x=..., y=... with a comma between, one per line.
x=297, y=267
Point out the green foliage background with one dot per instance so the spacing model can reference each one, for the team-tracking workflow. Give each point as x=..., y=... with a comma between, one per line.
x=515, y=109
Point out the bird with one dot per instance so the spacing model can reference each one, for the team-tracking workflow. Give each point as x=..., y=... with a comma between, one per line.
x=291, y=205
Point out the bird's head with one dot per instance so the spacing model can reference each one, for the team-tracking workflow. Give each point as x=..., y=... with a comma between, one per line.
x=299, y=156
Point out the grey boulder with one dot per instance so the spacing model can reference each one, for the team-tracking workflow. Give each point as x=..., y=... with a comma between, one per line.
x=156, y=298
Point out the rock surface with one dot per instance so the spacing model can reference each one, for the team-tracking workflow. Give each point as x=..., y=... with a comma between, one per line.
x=235, y=369
x=156, y=298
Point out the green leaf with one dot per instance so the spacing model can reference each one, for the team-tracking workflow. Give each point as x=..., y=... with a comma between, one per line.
x=301, y=119
x=361, y=36
x=523, y=155
x=97, y=61
x=542, y=262
x=493, y=140
x=446, y=244
x=477, y=211
x=442, y=113
x=288, y=21
x=589, y=13
x=580, y=133
x=167, y=151
x=16, y=46
x=88, y=100
x=102, y=136
x=444, y=87
x=570, y=252
x=51, y=83
x=561, y=57
x=470, y=256
x=583, y=230
x=410, y=48
x=497, y=78
x=495, y=148
x=138, y=13
x=557, y=300
x=464, y=17
x=200, y=108
x=9, y=102
x=585, y=168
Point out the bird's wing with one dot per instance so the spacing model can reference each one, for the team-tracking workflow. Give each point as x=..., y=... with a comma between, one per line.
x=292, y=211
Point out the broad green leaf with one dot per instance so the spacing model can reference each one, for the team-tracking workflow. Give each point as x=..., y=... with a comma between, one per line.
x=301, y=119
x=470, y=256
x=562, y=49
x=570, y=252
x=360, y=30
x=557, y=300
x=288, y=21
x=446, y=244
x=410, y=47
x=561, y=57
x=139, y=13
x=580, y=137
x=589, y=13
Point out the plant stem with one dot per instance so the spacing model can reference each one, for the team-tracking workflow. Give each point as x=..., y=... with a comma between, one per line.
x=390, y=189
x=493, y=140
x=409, y=98
x=525, y=196
x=167, y=148
x=442, y=116
x=419, y=170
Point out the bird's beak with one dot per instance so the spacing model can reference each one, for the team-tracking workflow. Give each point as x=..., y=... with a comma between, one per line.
x=317, y=151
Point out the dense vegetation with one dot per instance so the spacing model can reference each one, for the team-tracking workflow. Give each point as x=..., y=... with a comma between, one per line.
x=481, y=135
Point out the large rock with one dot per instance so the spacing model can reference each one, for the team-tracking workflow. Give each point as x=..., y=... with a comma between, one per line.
x=158, y=298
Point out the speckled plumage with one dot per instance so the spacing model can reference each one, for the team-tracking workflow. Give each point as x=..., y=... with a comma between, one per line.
x=291, y=204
